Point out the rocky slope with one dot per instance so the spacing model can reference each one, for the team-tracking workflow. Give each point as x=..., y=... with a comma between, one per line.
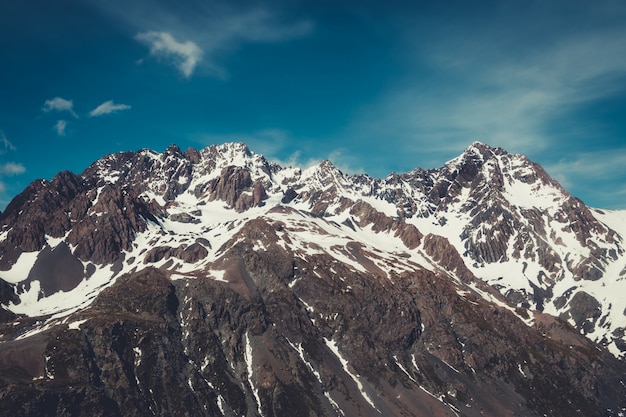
x=214, y=282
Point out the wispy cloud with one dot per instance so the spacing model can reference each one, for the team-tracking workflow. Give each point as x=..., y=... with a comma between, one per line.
x=501, y=80
x=201, y=38
x=7, y=169
x=256, y=25
x=11, y=168
x=183, y=55
x=60, y=126
x=5, y=144
x=598, y=176
x=598, y=167
x=108, y=107
x=59, y=104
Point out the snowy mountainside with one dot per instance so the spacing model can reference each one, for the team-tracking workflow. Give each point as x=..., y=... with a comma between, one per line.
x=315, y=267
x=502, y=212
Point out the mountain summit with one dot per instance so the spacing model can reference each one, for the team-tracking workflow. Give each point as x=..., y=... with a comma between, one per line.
x=215, y=282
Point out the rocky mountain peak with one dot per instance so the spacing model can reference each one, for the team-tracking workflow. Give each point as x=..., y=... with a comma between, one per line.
x=281, y=291
x=324, y=174
x=492, y=174
x=233, y=152
x=173, y=149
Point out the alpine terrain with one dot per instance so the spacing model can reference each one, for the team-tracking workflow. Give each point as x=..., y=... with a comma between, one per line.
x=216, y=283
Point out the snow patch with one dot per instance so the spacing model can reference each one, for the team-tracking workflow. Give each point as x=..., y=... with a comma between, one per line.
x=332, y=345
x=403, y=368
x=20, y=270
x=249, y=366
x=76, y=324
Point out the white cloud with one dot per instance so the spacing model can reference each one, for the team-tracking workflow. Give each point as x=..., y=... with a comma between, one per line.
x=7, y=169
x=5, y=144
x=184, y=55
x=108, y=107
x=59, y=104
x=60, y=127
x=12, y=168
x=208, y=33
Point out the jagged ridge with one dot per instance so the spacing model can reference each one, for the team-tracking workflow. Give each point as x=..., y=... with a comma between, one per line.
x=430, y=249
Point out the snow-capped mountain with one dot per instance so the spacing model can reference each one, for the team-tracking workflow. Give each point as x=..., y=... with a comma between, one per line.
x=257, y=289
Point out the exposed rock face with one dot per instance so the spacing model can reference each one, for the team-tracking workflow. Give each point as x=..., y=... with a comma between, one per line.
x=190, y=254
x=57, y=270
x=40, y=210
x=256, y=345
x=440, y=249
x=367, y=215
x=213, y=282
x=584, y=310
x=100, y=238
x=231, y=187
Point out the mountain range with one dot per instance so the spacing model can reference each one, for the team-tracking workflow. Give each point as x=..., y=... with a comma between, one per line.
x=214, y=282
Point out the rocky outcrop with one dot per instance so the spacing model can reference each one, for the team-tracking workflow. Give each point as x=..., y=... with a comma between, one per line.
x=584, y=310
x=7, y=295
x=190, y=254
x=367, y=215
x=440, y=249
x=235, y=187
x=43, y=208
x=185, y=218
x=110, y=228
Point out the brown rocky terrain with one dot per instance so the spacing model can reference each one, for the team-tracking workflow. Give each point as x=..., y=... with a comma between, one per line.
x=214, y=283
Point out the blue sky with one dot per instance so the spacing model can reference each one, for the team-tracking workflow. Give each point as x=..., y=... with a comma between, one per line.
x=373, y=86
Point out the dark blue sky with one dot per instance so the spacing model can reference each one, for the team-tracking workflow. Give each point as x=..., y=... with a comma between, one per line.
x=374, y=86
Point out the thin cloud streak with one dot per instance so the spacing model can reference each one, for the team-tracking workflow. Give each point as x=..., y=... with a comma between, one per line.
x=596, y=166
x=108, y=107
x=252, y=26
x=7, y=146
x=504, y=104
x=597, y=175
x=60, y=126
x=497, y=85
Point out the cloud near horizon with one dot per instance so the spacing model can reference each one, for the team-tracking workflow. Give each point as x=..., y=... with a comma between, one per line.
x=59, y=104
x=598, y=166
x=108, y=107
x=498, y=81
